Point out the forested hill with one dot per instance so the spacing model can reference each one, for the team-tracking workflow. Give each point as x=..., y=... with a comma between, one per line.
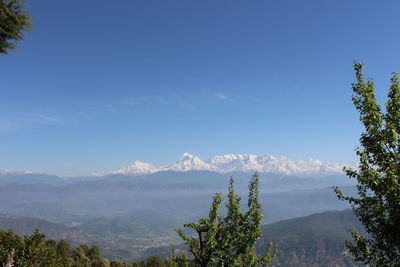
x=315, y=240
x=27, y=225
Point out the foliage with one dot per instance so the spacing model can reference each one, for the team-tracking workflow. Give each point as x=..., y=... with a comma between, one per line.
x=35, y=251
x=378, y=175
x=155, y=261
x=315, y=240
x=230, y=241
x=177, y=261
x=14, y=19
x=31, y=250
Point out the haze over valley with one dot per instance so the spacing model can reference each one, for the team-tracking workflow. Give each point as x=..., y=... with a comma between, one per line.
x=134, y=210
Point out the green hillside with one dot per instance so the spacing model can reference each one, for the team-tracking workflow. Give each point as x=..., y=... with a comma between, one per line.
x=27, y=225
x=315, y=240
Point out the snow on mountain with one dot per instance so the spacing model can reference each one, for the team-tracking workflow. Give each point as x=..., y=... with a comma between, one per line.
x=239, y=162
x=187, y=162
x=271, y=164
x=137, y=168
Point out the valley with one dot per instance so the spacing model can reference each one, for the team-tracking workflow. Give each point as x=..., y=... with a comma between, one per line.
x=131, y=217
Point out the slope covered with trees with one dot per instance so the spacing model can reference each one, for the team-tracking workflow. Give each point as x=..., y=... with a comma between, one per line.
x=314, y=240
x=27, y=225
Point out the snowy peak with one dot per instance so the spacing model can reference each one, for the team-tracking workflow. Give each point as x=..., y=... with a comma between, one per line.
x=137, y=168
x=186, y=156
x=268, y=163
x=187, y=162
x=239, y=162
x=236, y=162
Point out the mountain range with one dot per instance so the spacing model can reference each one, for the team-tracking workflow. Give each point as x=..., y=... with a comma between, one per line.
x=229, y=163
x=237, y=163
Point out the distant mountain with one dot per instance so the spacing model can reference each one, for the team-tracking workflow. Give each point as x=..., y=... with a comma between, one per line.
x=226, y=164
x=188, y=162
x=4, y=172
x=27, y=177
x=185, y=194
x=238, y=163
x=314, y=240
x=137, y=168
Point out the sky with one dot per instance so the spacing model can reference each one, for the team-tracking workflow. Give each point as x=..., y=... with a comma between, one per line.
x=98, y=84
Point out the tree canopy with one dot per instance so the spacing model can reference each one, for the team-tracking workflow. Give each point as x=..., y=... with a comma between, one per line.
x=14, y=20
x=230, y=240
x=377, y=204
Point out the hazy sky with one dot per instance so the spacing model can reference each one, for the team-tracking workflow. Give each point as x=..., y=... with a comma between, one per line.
x=98, y=84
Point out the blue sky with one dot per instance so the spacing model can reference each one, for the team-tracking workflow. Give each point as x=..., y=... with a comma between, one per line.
x=98, y=84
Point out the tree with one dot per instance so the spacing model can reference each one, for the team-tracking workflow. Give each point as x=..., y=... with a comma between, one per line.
x=118, y=263
x=39, y=252
x=377, y=204
x=94, y=253
x=80, y=258
x=101, y=263
x=230, y=241
x=63, y=251
x=10, y=246
x=14, y=19
x=34, y=250
x=30, y=250
x=155, y=261
x=177, y=261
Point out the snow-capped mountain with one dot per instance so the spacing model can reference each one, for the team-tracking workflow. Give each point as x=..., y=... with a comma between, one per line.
x=187, y=162
x=137, y=168
x=239, y=162
x=271, y=164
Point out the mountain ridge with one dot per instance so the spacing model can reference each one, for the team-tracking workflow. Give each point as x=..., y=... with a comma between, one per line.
x=228, y=163
x=237, y=162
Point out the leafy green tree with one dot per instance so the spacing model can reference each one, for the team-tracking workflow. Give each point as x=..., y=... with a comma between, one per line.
x=63, y=248
x=39, y=252
x=138, y=264
x=10, y=242
x=118, y=263
x=100, y=263
x=51, y=243
x=155, y=261
x=94, y=253
x=85, y=248
x=32, y=250
x=14, y=19
x=63, y=251
x=177, y=261
x=377, y=204
x=79, y=257
x=103, y=263
x=230, y=241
